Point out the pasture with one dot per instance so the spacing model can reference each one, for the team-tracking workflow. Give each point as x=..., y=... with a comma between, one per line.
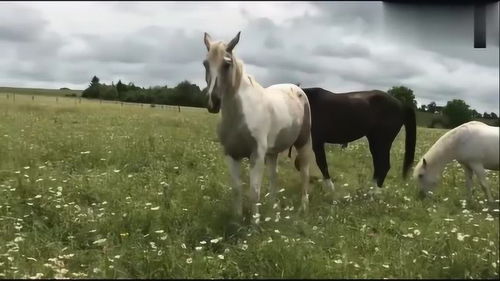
x=95, y=190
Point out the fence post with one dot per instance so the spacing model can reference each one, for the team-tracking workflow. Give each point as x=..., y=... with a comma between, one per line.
x=33, y=98
x=14, y=97
x=179, y=108
x=7, y=96
x=79, y=100
x=57, y=99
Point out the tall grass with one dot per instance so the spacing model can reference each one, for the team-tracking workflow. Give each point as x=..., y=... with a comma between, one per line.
x=102, y=190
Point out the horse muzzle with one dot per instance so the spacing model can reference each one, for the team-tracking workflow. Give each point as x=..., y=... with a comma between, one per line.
x=213, y=105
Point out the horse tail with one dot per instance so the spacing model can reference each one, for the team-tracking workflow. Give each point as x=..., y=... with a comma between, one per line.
x=410, y=124
x=290, y=152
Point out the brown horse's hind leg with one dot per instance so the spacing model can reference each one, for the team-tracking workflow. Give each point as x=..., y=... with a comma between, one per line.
x=302, y=161
x=319, y=152
x=380, y=149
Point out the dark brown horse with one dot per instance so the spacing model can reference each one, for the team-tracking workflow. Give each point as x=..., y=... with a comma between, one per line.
x=345, y=117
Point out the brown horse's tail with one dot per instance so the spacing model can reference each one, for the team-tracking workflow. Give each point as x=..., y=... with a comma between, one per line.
x=410, y=124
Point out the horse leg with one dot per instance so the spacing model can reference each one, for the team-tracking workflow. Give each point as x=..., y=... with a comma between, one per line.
x=272, y=160
x=256, y=171
x=373, y=151
x=381, y=159
x=234, y=170
x=385, y=164
x=468, y=181
x=319, y=152
x=480, y=173
x=303, y=158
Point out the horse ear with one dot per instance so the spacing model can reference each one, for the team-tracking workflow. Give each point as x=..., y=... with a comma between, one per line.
x=207, y=39
x=424, y=162
x=233, y=43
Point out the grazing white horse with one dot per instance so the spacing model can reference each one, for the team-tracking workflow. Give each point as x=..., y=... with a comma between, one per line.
x=474, y=145
x=257, y=123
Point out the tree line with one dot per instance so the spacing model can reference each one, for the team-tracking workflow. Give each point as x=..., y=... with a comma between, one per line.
x=184, y=94
x=454, y=113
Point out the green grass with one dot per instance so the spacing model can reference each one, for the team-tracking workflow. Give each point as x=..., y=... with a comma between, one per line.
x=102, y=190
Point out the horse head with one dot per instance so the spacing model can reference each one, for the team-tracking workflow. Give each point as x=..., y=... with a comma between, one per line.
x=219, y=70
x=426, y=176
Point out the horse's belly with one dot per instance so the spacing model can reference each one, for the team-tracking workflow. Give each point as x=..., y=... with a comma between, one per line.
x=285, y=138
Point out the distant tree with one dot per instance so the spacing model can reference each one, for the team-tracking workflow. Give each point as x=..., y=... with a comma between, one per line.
x=108, y=92
x=431, y=107
x=493, y=115
x=457, y=112
x=475, y=114
x=486, y=115
x=120, y=87
x=94, y=81
x=423, y=108
x=404, y=94
x=64, y=88
x=93, y=90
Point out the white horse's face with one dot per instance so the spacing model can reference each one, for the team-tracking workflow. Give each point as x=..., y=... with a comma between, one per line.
x=426, y=178
x=217, y=64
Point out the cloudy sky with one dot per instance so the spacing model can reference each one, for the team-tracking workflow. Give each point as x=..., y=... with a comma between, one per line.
x=340, y=46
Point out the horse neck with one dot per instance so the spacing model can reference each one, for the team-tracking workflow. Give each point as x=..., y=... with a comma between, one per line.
x=231, y=107
x=441, y=153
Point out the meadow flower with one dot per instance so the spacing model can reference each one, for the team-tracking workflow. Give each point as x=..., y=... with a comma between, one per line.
x=221, y=257
x=276, y=231
x=155, y=208
x=183, y=246
x=460, y=236
x=159, y=231
x=425, y=252
x=385, y=265
x=337, y=261
x=116, y=170
x=198, y=248
x=189, y=260
x=267, y=219
x=454, y=230
x=416, y=232
x=214, y=241
x=244, y=247
x=99, y=241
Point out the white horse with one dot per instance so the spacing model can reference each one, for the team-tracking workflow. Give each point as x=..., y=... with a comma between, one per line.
x=474, y=145
x=257, y=123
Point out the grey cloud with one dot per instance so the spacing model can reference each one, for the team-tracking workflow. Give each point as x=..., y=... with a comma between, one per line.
x=272, y=42
x=15, y=28
x=341, y=50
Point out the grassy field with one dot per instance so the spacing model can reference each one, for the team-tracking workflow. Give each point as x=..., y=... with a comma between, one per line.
x=101, y=190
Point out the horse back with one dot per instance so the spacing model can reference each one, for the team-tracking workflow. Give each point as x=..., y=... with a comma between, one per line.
x=345, y=117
